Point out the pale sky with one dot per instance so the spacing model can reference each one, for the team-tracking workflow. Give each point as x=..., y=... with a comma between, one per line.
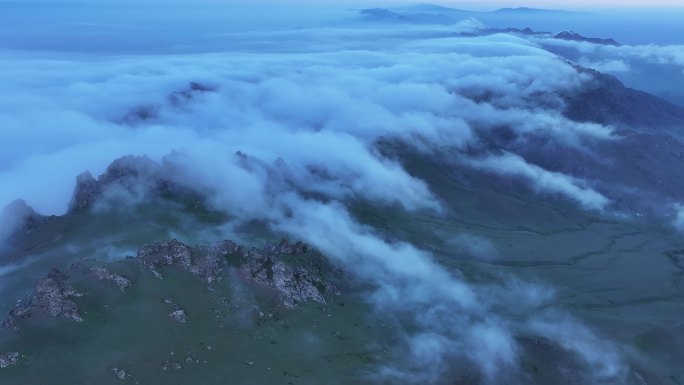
x=548, y=4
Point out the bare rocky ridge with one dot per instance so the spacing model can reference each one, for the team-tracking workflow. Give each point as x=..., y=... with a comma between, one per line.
x=204, y=263
x=125, y=173
x=264, y=266
x=293, y=284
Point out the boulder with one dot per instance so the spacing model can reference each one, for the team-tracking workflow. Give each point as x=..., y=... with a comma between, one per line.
x=179, y=316
x=9, y=359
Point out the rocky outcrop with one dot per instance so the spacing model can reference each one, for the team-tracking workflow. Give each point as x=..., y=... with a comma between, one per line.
x=179, y=316
x=103, y=274
x=205, y=263
x=285, y=247
x=129, y=173
x=52, y=295
x=87, y=188
x=119, y=373
x=9, y=359
x=293, y=284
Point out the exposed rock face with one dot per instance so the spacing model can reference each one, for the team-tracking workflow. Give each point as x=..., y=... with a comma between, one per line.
x=103, y=274
x=9, y=359
x=205, y=263
x=293, y=285
x=128, y=173
x=52, y=295
x=87, y=188
x=284, y=247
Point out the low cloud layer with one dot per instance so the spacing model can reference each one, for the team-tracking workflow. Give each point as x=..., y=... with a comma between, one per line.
x=653, y=68
x=546, y=181
x=284, y=127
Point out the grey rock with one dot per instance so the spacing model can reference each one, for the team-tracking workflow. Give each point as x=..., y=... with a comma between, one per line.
x=9, y=359
x=87, y=189
x=51, y=294
x=285, y=247
x=119, y=373
x=179, y=316
x=166, y=254
x=293, y=284
x=102, y=273
x=127, y=173
x=205, y=263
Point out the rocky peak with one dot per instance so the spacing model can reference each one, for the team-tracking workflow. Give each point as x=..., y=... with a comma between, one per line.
x=87, y=188
x=128, y=172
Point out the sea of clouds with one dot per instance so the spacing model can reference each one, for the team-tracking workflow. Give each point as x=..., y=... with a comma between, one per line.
x=285, y=130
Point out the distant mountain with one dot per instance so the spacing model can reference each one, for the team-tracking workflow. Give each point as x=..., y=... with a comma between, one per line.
x=574, y=36
x=565, y=35
x=382, y=14
x=430, y=8
x=437, y=14
x=388, y=15
x=529, y=11
x=607, y=101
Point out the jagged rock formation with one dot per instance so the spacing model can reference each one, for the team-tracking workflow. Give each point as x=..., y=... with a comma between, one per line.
x=293, y=285
x=131, y=174
x=102, y=273
x=9, y=359
x=264, y=266
x=87, y=188
x=204, y=263
x=52, y=295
